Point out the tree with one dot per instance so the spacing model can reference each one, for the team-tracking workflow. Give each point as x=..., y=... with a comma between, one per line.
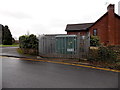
x=1, y=33
x=6, y=36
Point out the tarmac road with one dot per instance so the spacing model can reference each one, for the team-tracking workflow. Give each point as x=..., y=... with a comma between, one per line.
x=18, y=73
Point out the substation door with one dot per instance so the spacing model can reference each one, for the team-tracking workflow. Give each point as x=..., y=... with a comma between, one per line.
x=66, y=44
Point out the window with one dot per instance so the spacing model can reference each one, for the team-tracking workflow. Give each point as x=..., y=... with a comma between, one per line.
x=83, y=37
x=95, y=32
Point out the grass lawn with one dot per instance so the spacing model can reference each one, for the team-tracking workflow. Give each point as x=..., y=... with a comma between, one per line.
x=14, y=45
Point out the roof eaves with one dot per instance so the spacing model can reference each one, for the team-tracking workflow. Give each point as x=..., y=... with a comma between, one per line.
x=117, y=15
x=77, y=29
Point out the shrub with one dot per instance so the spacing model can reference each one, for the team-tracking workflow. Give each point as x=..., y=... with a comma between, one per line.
x=13, y=41
x=102, y=54
x=106, y=54
x=27, y=51
x=94, y=41
x=93, y=55
x=116, y=49
x=28, y=42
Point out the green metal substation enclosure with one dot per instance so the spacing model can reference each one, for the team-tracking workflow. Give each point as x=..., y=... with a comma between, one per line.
x=66, y=44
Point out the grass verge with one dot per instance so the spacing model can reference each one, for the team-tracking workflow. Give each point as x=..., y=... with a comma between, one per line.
x=14, y=45
x=20, y=51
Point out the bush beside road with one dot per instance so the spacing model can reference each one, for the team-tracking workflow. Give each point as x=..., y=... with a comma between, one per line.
x=105, y=56
x=28, y=44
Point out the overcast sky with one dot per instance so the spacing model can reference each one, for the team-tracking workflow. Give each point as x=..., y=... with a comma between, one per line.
x=50, y=16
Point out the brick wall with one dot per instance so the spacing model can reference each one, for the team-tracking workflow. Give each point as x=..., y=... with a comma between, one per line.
x=117, y=26
x=101, y=27
x=111, y=25
x=77, y=33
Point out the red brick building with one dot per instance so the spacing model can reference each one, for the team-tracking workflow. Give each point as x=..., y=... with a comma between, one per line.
x=106, y=27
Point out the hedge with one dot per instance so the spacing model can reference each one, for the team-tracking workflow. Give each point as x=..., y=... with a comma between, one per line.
x=103, y=54
x=28, y=43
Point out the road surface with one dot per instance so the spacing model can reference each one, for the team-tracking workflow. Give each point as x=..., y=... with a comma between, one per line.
x=18, y=73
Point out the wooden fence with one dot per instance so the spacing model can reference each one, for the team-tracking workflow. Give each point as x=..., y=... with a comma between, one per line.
x=64, y=46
